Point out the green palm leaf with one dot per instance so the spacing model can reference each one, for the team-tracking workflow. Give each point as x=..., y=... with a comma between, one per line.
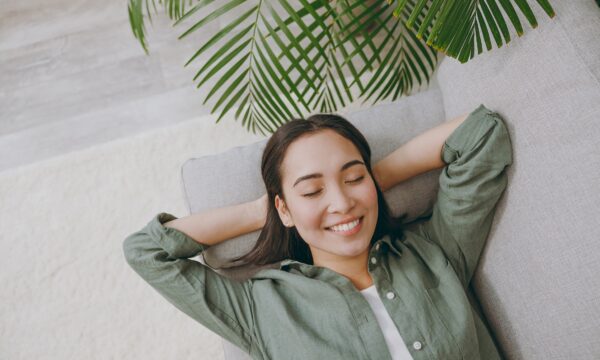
x=281, y=59
x=398, y=56
x=455, y=27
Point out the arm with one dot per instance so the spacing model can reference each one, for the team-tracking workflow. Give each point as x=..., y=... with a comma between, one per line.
x=477, y=154
x=417, y=156
x=213, y=226
x=161, y=256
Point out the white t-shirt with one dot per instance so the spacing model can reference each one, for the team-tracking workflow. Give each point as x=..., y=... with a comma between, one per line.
x=394, y=341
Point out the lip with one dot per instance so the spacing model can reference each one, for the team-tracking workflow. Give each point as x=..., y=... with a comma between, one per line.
x=345, y=221
x=352, y=231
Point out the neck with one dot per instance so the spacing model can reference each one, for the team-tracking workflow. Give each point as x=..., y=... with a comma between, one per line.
x=353, y=268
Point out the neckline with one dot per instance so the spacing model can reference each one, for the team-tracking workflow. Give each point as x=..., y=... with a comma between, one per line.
x=370, y=288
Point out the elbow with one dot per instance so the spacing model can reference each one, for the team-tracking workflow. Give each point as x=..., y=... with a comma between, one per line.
x=131, y=249
x=128, y=250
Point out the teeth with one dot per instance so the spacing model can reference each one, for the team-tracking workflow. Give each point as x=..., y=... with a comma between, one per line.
x=345, y=227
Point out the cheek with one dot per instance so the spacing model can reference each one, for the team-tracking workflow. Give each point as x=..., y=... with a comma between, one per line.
x=369, y=196
x=370, y=203
x=307, y=216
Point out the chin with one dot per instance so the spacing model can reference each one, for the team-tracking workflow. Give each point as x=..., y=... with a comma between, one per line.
x=355, y=249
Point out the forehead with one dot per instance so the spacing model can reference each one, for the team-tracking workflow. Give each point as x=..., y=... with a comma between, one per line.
x=323, y=152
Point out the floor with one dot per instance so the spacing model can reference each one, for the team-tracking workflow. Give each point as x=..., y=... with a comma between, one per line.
x=72, y=76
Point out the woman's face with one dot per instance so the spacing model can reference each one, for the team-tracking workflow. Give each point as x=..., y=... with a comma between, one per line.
x=325, y=182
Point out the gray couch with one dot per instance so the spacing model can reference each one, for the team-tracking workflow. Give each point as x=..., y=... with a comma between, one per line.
x=538, y=279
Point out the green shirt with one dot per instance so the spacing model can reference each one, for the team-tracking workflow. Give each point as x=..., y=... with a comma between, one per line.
x=301, y=311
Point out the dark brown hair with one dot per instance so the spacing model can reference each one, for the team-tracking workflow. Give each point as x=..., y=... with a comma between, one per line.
x=277, y=242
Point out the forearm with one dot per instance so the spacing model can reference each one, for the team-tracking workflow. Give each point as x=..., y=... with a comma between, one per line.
x=419, y=155
x=213, y=226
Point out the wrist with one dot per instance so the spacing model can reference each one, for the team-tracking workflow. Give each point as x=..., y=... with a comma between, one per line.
x=258, y=213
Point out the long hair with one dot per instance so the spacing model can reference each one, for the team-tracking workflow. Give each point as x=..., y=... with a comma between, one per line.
x=277, y=242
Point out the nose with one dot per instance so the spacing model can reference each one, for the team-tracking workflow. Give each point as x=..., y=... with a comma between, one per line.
x=340, y=201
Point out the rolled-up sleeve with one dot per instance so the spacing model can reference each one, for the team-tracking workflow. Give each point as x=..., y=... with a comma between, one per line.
x=161, y=256
x=477, y=154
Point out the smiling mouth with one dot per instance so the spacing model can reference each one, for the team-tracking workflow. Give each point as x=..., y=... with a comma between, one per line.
x=351, y=231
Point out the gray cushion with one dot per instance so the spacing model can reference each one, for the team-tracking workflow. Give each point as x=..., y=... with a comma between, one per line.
x=537, y=280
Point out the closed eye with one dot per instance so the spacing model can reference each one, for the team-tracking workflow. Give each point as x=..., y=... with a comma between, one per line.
x=349, y=181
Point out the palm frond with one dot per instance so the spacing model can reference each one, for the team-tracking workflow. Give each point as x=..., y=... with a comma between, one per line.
x=456, y=27
x=397, y=56
x=278, y=60
x=137, y=9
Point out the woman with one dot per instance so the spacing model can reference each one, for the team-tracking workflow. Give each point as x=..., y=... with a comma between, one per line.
x=366, y=289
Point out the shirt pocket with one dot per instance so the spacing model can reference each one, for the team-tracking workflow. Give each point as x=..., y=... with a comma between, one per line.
x=455, y=324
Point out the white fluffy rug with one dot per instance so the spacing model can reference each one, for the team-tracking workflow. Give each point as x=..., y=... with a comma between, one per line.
x=67, y=291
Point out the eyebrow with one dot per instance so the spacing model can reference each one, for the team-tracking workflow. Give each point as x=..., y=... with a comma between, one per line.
x=319, y=175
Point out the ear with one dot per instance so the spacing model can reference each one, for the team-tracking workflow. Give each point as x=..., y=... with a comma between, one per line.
x=283, y=212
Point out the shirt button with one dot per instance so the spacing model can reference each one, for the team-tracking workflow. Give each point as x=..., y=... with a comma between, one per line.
x=390, y=295
x=417, y=345
x=377, y=247
x=374, y=260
